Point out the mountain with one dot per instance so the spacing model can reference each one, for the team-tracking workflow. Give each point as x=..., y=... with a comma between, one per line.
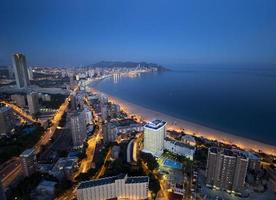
x=114, y=64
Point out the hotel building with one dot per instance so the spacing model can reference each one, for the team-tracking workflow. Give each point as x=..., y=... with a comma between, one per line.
x=226, y=169
x=154, y=134
x=115, y=187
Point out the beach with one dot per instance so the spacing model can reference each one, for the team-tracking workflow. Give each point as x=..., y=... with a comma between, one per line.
x=192, y=128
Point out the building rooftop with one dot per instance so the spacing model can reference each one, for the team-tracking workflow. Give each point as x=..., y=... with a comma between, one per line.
x=181, y=144
x=138, y=179
x=112, y=179
x=155, y=124
x=228, y=152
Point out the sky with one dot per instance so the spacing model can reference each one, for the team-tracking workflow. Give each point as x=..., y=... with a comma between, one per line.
x=77, y=33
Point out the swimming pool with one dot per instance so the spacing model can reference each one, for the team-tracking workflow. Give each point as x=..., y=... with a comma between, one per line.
x=172, y=164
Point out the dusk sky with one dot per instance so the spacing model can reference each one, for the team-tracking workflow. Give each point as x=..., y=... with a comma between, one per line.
x=68, y=33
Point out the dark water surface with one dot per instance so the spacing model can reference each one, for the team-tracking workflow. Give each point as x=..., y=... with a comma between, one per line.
x=240, y=101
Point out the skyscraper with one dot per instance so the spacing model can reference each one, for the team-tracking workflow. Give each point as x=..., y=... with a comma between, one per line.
x=20, y=70
x=33, y=103
x=6, y=119
x=28, y=162
x=78, y=128
x=226, y=169
x=154, y=134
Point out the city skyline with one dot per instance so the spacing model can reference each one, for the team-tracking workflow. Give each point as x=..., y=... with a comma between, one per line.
x=82, y=33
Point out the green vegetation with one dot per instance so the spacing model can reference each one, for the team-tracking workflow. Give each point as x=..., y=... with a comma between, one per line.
x=19, y=141
x=24, y=188
x=154, y=184
x=55, y=103
x=149, y=160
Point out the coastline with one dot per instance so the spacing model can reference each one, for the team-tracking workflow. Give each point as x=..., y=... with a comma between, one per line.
x=190, y=127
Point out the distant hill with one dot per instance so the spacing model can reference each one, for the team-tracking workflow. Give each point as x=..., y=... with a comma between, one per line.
x=114, y=64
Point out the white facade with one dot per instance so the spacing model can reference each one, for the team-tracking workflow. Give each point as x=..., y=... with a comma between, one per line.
x=179, y=148
x=154, y=133
x=118, y=187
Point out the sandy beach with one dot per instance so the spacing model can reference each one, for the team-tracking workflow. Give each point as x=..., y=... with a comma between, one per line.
x=192, y=128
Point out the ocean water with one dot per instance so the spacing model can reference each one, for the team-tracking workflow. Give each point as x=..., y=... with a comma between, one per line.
x=237, y=100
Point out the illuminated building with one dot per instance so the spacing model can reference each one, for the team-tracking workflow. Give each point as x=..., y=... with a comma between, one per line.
x=115, y=187
x=20, y=70
x=188, y=139
x=226, y=169
x=154, y=134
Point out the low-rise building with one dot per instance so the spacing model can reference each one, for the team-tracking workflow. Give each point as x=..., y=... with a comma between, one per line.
x=188, y=139
x=64, y=168
x=179, y=148
x=115, y=187
x=19, y=100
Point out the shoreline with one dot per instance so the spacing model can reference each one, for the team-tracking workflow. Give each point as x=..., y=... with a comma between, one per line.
x=191, y=128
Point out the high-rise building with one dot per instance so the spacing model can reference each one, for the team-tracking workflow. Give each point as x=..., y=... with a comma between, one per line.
x=78, y=128
x=104, y=112
x=88, y=115
x=6, y=119
x=30, y=73
x=28, y=162
x=20, y=70
x=109, y=132
x=115, y=187
x=154, y=134
x=226, y=169
x=33, y=103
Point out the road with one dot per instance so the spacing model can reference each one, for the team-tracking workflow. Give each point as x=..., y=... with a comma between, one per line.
x=92, y=142
x=21, y=112
x=11, y=172
x=51, y=130
x=103, y=167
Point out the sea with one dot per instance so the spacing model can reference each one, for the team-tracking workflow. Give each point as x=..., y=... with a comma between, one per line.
x=236, y=99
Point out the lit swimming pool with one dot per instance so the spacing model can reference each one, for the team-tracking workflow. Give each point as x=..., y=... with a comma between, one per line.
x=172, y=164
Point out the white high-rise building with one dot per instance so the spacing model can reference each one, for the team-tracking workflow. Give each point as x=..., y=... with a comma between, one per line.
x=115, y=187
x=154, y=134
x=78, y=128
x=20, y=70
x=33, y=103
